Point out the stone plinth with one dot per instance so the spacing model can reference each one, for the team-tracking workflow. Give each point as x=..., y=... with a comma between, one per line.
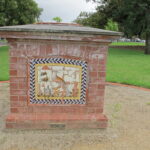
x=57, y=75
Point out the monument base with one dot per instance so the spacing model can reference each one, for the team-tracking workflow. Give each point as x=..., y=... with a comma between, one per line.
x=56, y=121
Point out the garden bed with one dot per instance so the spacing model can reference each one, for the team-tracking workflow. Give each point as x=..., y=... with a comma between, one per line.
x=131, y=47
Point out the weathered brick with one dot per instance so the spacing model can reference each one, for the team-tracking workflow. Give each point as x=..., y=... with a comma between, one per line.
x=9, y=125
x=48, y=50
x=101, y=86
x=14, y=110
x=13, y=59
x=22, y=60
x=18, y=79
x=14, y=98
x=23, y=98
x=13, y=66
x=15, y=53
x=101, y=74
x=14, y=85
x=18, y=92
x=93, y=74
x=13, y=73
x=22, y=85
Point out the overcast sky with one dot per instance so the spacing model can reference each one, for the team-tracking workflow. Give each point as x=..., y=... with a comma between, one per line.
x=68, y=10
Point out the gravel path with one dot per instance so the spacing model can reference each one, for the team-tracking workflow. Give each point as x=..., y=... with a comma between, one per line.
x=128, y=110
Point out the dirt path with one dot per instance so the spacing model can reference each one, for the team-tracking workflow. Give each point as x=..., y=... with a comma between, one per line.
x=128, y=110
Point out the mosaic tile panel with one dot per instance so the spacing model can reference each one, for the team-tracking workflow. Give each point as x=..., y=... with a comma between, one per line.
x=57, y=81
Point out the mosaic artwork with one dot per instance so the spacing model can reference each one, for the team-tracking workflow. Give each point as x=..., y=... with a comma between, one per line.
x=57, y=81
x=62, y=81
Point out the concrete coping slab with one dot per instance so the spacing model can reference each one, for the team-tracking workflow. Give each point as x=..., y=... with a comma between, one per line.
x=59, y=28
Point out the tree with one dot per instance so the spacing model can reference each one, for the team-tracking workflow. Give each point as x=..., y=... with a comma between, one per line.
x=91, y=19
x=98, y=19
x=111, y=25
x=18, y=12
x=57, y=19
x=133, y=16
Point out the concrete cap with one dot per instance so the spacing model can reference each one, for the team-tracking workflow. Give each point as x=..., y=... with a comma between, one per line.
x=59, y=28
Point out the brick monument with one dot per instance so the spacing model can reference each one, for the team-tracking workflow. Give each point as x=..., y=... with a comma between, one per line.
x=57, y=75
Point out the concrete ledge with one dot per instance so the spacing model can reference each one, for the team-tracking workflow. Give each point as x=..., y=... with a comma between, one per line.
x=56, y=121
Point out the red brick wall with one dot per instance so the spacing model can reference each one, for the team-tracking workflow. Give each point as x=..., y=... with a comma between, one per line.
x=26, y=115
x=22, y=51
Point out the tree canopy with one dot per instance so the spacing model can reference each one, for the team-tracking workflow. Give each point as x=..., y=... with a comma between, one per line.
x=91, y=19
x=111, y=25
x=57, y=19
x=132, y=16
x=18, y=12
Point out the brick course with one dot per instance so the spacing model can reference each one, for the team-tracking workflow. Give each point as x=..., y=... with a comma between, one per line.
x=19, y=87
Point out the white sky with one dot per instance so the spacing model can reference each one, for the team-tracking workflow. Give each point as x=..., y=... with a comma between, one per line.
x=68, y=10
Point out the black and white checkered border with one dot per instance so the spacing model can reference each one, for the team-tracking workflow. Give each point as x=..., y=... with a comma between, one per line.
x=83, y=64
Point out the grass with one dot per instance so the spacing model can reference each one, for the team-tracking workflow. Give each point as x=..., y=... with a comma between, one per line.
x=148, y=103
x=128, y=67
x=123, y=66
x=4, y=63
x=3, y=40
x=127, y=44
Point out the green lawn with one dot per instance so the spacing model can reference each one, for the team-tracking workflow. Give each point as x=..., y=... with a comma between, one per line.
x=123, y=66
x=127, y=44
x=4, y=64
x=129, y=67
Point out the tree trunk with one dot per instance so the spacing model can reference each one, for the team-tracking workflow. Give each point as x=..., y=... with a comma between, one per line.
x=147, y=49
